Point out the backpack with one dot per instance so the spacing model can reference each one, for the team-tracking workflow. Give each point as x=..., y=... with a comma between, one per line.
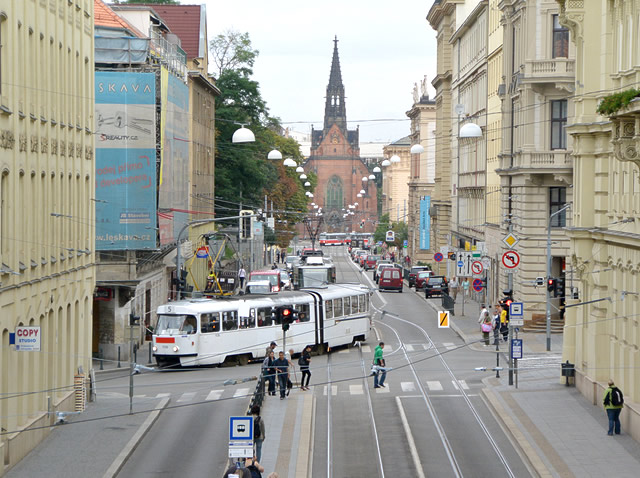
x=302, y=361
x=256, y=427
x=617, y=399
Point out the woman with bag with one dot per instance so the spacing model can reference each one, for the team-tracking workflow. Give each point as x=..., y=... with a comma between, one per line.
x=269, y=371
x=303, y=362
x=486, y=328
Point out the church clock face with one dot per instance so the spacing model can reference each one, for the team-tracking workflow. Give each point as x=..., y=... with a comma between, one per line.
x=334, y=138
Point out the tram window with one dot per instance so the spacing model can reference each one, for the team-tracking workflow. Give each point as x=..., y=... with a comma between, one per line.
x=210, y=322
x=303, y=312
x=264, y=317
x=328, y=309
x=248, y=322
x=362, y=307
x=229, y=320
x=337, y=307
x=354, y=304
x=347, y=305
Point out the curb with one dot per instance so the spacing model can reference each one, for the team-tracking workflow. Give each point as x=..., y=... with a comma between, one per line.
x=520, y=442
x=130, y=447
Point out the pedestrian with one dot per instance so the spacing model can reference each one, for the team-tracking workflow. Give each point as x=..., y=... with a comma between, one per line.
x=504, y=323
x=283, y=255
x=241, y=275
x=303, y=362
x=465, y=287
x=496, y=325
x=378, y=361
x=613, y=402
x=269, y=371
x=282, y=369
x=484, y=313
x=486, y=328
x=453, y=288
x=258, y=432
x=289, y=357
x=235, y=470
x=254, y=467
x=271, y=348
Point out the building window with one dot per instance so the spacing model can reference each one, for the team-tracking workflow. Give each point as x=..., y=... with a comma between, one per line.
x=560, y=39
x=558, y=124
x=334, y=193
x=557, y=200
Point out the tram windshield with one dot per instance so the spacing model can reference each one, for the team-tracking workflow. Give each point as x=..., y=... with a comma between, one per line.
x=176, y=324
x=310, y=277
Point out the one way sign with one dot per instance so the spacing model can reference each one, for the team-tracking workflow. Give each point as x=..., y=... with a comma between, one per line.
x=465, y=259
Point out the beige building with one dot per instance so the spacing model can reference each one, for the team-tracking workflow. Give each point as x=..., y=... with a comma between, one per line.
x=422, y=174
x=395, y=180
x=442, y=17
x=47, y=221
x=535, y=162
x=601, y=335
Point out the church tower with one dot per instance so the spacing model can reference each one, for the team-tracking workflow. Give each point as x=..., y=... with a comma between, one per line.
x=335, y=159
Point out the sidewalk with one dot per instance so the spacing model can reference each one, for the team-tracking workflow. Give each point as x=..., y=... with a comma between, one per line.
x=559, y=432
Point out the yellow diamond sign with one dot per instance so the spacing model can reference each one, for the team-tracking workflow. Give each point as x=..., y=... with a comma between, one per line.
x=510, y=240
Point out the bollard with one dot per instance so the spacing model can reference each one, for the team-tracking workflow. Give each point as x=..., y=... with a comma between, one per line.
x=149, y=353
x=119, y=357
x=100, y=357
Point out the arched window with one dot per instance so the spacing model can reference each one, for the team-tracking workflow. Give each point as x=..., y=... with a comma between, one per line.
x=334, y=193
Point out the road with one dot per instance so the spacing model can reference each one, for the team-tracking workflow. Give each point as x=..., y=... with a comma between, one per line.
x=428, y=421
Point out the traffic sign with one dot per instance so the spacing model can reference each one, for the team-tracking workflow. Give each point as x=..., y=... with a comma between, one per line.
x=516, y=309
x=510, y=240
x=516, y=348
x=460, y=264
x=443, y=319
x=516, y=322
x=476, y=267
x=486, y=262
x=465, y=259
x=241, y=428
x=438, y=257
x=477, y=285
x=510, y=259
x=391, y=236
x=405, y=244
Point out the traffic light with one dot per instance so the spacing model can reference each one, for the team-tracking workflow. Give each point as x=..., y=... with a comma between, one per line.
x=558, y=291
x=285, y=316
x=507, y=300
x=484, y=283
x=361, y=224
x=539, y=281
x=551, y=284
x=246, y=231
x=452, y=256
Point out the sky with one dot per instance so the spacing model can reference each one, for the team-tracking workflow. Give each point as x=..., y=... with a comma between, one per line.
x=385, y=47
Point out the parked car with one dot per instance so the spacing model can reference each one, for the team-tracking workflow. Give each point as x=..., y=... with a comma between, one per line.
x=381, y=263
x=413, y=272
x=286, y=279
x=435, y=286
x=390, y=279
x=354, y=253
x=370, y=262
x=422, y=278
x=291, y=261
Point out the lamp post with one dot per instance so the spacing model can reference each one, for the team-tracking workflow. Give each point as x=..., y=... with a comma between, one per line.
x=564, y=208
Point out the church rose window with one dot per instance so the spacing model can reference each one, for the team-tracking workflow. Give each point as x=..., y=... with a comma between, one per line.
x=334, y=193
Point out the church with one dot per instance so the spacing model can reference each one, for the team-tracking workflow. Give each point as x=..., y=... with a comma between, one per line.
x=335, y=159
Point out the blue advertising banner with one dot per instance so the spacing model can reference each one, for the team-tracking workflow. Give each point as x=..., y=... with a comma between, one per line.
x=125, y=161
x=425, y=223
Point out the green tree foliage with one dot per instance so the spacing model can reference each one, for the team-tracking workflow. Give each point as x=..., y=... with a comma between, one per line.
x=232, y=51
x=399, y=228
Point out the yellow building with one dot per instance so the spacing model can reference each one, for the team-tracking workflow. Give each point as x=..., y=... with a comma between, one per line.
x=47, y=219
x=602, y=334
x=395, y=180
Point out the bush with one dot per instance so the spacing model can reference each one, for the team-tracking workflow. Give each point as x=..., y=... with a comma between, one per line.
x=612, y=103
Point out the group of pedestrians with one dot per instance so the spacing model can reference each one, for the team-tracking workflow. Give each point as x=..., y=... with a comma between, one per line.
x=456, y=286
x=498, y=323
x=280, y=369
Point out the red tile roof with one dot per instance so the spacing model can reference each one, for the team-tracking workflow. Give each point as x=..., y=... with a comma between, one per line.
x=105, y=17
x=184, y=21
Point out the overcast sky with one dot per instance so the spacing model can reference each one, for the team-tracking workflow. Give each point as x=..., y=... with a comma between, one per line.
x=385, y=47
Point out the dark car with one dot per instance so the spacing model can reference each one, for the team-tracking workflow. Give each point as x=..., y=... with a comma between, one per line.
x=370, y=262
x=390, y=279
x=421, y=279
x=414, y=272
x=435, y=286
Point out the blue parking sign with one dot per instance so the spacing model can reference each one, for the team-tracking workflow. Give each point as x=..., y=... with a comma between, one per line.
x=516, y=348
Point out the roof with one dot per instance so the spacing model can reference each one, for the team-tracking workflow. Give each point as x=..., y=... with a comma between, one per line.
x=184, y=21
x=406, y=141
x=104, y=16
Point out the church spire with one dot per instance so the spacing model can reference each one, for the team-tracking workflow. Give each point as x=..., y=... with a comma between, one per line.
x=334, y=110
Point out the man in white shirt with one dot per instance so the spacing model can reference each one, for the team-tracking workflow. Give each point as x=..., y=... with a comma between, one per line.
x=483, y=313
x=241, y=275
x=453, y=288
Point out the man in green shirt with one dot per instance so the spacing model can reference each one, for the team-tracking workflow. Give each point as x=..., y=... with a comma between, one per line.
x=613, y=402
x=378, y=360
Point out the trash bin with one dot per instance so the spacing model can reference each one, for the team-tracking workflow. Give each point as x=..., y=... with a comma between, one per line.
x=448, y=303
x=568, y=371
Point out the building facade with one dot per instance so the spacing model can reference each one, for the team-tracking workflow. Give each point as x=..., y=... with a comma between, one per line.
x=601, y=335
x=47, y=221
x=335, y=159
x=395, y=179
x=422, y=172
x=535, y=161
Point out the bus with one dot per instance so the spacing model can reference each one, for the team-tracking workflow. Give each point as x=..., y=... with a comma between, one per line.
x=361, y=240
x=333, y=238
x=237, y=329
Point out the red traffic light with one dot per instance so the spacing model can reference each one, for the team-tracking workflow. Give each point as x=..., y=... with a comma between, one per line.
x=508, y=302
x=286, y=312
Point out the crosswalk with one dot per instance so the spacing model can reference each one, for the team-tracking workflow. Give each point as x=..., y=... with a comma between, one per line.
x=451, y=387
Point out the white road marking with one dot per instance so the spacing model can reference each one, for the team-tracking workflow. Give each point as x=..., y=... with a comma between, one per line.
x=463, y=384
x=412, y=443
x=186, y=397
x=163, y=395
x=241, y=392
x=408, y=386
x=356, y=389
x=449, y=345
x=434, y=386
x=366, y=349
x=334, y=390
x=384, y=389
x=214, y=395
x=409, y=347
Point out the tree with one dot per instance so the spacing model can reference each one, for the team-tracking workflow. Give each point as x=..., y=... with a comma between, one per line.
x=232, y=50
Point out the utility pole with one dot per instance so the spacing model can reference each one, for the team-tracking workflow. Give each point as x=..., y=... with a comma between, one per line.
x=566, y=206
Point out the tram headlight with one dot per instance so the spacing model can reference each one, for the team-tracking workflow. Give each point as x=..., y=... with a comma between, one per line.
x=176, y=348
x=154, y=348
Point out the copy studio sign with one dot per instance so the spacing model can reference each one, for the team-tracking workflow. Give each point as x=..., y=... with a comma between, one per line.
x=26, y=339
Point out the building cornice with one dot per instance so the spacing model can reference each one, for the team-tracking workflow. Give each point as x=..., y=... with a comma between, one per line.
x=439, y=10
x=469, y=21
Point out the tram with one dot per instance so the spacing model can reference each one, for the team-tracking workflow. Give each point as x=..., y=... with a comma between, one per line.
x=237, y=329
x=333, y=238
x=314, y=272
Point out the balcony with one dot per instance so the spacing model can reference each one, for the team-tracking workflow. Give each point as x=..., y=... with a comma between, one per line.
x=548, y=71
x=538, y=161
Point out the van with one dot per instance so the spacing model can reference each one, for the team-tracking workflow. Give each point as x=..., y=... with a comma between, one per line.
x=274, y=276
x=390, y=279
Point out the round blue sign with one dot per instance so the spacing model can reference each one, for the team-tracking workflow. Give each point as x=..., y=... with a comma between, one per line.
x=477, y=285
x=437, y=257
x=460, y=264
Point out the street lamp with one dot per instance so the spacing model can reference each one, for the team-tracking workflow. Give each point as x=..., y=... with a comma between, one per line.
x=564, y=208
x=365, y=179
x=290, y=163
x=307, y=184
x=377, y=169
x=363, y=192
x=386, y=163
x=372, y=176
x=416, y=149
x=243, y=135
x=394, y=159
x=274, y=154
x=303, y=176
x=359, y=195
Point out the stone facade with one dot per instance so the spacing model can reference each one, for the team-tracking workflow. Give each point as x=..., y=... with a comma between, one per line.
x=602, y=336
x=47, y=222
x=395, y=180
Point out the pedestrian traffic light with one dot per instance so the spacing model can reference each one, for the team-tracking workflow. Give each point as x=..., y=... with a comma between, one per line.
x=558, y=291
x=551, y=284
